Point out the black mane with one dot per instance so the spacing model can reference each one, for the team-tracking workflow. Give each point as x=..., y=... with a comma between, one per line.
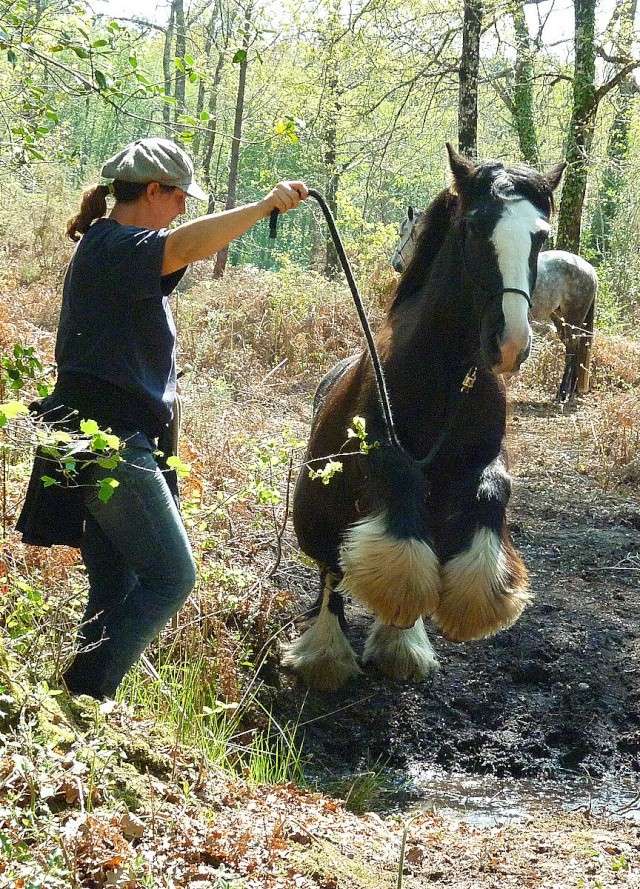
x=436, y=223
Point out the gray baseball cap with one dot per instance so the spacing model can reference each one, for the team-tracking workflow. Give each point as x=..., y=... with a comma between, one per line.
x=155, y=160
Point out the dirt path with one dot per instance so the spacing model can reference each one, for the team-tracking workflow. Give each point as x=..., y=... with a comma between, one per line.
x=557, y=694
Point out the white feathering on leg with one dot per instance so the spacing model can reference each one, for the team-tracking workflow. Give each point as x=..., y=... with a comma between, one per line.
x=481, y=592
x=397, y=579
x=401, y=654
x=322, y=656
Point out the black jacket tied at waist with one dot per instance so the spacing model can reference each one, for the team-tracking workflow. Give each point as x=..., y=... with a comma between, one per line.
x=56, y=514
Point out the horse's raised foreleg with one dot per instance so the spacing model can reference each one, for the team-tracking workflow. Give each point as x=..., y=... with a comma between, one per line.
x=484, y=581
x=322, y=656
x=401, y=653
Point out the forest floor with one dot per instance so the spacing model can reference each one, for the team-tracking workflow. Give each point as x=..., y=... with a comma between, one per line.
x=517, y=765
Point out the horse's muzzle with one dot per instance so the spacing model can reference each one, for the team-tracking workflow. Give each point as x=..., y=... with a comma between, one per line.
x=512, y=356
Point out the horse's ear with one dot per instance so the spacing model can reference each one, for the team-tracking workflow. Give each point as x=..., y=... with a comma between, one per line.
x=410, y=213
x=461, y=167
x=554, y=175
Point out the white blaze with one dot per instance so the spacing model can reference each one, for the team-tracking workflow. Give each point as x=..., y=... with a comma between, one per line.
x=512, y=241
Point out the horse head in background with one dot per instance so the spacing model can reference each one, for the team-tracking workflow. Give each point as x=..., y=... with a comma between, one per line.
x=565, y=293
x=414, y=525
x=407, y=235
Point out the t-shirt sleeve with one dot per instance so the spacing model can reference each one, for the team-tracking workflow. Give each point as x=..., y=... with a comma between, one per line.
x=134, y=259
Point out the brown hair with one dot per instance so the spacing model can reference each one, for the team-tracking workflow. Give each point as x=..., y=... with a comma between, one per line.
x=94, y=203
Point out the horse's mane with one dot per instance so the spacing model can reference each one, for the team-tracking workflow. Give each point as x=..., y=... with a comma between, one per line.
x=435, y=225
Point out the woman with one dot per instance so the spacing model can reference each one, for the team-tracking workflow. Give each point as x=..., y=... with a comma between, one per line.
x=115, y=352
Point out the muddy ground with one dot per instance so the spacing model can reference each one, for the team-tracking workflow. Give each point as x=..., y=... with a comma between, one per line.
x=558, y=694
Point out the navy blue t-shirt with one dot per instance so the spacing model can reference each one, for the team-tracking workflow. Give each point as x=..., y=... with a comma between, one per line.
x=116, y=343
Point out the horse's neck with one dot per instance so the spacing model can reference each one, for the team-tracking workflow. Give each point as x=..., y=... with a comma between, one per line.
x=435, y=330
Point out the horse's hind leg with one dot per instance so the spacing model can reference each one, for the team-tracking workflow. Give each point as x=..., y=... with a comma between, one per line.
x=322, y=656
x=484, y=581
x=401, y=653
x=570, y=375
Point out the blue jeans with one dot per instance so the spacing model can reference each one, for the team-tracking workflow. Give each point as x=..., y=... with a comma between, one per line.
x=140, y=569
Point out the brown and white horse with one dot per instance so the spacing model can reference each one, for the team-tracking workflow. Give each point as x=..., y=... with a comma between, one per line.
x=408, y=540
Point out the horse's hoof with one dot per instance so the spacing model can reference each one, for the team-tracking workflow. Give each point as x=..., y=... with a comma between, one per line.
x=322, y=657
x=484, y=590
x=401, y=654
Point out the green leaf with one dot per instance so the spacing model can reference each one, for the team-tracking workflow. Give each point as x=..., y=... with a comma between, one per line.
x=80, y=51
x=100, y=42
x=204, y=115
x=106, y=489
x=89, y=427
x=12, y=58
x=179, y=466
x=133, y=61
x=239, y=57
x=101, y=80
x=189, y=60
x=109, y=462
x=47, y=481
x=11, y=409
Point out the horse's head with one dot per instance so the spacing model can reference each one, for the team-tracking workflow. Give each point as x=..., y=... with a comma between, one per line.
x=503, y=220
x=407, y=236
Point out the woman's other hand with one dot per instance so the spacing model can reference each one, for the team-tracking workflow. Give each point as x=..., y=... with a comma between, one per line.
x=285, y=196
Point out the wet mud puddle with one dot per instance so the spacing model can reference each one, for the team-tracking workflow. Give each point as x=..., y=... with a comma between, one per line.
x=486, y=801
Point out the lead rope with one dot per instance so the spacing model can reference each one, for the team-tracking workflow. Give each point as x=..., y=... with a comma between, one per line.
x=383, y=395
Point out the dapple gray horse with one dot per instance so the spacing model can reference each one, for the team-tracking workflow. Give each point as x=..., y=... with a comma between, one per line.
x=565, y=293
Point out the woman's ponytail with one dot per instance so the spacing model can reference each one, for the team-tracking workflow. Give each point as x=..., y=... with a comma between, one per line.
x=93, y=206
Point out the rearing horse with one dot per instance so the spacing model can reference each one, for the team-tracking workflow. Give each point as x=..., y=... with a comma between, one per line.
x=407, y=537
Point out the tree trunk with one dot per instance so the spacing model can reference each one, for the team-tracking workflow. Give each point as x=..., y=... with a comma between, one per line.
x=617, y=144
x=468, y=75
x=234, y=160
x=332, y=265
x=523, y=100
x=581, y=128
x=208, y=45
x=210, y=137
x=181, y=48
x=168, y=70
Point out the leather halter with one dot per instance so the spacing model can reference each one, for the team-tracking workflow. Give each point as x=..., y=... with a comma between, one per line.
x=520, y=292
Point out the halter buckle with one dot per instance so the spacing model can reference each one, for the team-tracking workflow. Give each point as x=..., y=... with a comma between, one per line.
x=470, y=380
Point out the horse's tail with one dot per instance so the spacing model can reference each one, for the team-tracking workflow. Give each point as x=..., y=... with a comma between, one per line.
x=386, y=558
x=585, y=345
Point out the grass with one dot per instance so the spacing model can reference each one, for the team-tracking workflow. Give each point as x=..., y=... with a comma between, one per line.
x=181, y=695
x=364, y=791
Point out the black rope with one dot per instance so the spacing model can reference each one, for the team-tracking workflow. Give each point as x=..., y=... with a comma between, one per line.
x=383, y=395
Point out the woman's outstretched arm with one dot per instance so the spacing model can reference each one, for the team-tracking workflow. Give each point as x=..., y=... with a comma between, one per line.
x=207, y=235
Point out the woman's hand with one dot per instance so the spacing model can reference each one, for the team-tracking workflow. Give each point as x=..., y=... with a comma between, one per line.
x=285, y=196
